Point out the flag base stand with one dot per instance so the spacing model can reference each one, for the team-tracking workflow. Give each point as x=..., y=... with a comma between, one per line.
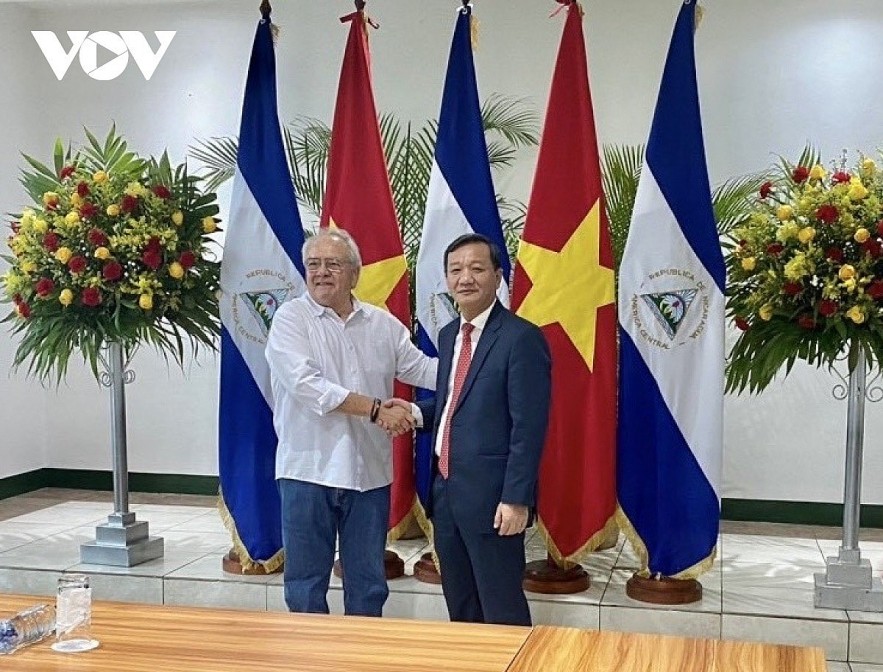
x=392, y=563
x=545, y=576
x=663, y=590
x=426, y=571
x=230, y=564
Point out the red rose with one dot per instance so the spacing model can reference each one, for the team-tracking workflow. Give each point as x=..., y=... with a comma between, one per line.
x=827, y=307
x=187, y=259
x=129, y=203
x=766, y=189
x=834, y=254
x=91, y=297
x=792, y=288
x=839, y=177
x=800, y=174
x=23, y=309
x=112, y=271
x=16, y=299
x=880, y=228
x=96, y=237
x=161, y=191
x=806, y=321
x=66, y=172
x=88, y=211
x=52, y=204
x=152, y=258
x=50, y=241
x=875, y=290
x=153, y=243
x=44, y=287
x=15, y=226
x=77, y=264
x=872, y=247
x=83, y=189
x=742, y=323
x=827, y=213
x=774, y=249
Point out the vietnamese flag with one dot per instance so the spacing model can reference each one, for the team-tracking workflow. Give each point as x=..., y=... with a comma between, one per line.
x=358, y=198
x=564, y=283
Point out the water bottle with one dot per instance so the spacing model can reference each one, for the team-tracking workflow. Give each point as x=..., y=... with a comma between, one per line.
x=26, y=627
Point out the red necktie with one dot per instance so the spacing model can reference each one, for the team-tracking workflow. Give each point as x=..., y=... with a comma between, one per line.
x=463, y=362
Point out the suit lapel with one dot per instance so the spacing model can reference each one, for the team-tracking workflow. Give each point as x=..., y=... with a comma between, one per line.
x=447, y=337
x=488, y=337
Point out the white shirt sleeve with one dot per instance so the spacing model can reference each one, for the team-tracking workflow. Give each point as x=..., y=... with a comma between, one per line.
x=413, y=367
x=293, y=364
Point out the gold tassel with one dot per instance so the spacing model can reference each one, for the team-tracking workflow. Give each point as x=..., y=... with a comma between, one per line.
x=474, y=31
x=574, y=558
x=275, y=32
x=700, y=13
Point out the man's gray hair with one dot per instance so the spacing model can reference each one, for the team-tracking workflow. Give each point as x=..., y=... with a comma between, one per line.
x=355, y=257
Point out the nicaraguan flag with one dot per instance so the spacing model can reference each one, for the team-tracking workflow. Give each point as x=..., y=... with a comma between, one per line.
x=461, y=199
x=261, y=269
x=671, y=317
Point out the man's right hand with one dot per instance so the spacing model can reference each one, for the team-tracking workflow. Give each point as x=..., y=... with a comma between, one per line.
x=395, y=417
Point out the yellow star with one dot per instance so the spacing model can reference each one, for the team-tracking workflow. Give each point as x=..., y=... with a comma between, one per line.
x=377, y=280
x=569, y=286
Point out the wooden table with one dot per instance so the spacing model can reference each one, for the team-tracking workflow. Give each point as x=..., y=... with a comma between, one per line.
x=149, y=638
x=550, y=648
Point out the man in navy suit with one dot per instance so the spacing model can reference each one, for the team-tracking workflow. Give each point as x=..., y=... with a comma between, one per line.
x=488, y=422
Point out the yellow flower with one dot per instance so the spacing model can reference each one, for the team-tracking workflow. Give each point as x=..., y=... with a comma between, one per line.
x=75, y=199
x=102, y=253
x=798, y=267
x=846, y=272
x=135, y=189
x=817, y=172
x=766, y=312
x=861, y=235
x=869, y=166
x=50, y=198
x=113, y=210
x=784, y=212
x=849, y=285
x=806, y=234
x=99, y=177
x=177, y=218
x=66, y=297
x=787, y=231
x=856, y=314
x=145, y=301
x=40, y=225
x=208, y=224
x=28, y=267
x=72, y=217
x=176, y=270
x=857, y=190
x=748, y=263
x=63, y=254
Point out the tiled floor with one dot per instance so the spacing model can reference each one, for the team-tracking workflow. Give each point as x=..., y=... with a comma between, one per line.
x=761, y=589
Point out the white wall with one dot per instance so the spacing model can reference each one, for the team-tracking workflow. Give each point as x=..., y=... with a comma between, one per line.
x=772, y=77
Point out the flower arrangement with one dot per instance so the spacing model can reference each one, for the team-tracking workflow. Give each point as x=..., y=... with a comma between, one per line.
x=116, y=248
x=806, y=271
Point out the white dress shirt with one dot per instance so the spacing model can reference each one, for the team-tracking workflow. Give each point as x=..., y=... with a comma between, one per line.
x=478, y=323
x=316, y=359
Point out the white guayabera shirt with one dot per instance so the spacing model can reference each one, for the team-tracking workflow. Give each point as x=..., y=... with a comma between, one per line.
x=316, y=359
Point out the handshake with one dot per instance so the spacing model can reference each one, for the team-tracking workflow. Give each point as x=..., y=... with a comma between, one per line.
x=395, y=417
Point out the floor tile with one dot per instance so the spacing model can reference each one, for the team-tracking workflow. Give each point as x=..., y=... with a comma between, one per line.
x=775, y=601
x=218, y=594
x=661, y=621
x=866, y=642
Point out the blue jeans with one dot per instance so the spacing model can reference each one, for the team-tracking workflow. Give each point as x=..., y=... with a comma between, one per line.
x=312, y=518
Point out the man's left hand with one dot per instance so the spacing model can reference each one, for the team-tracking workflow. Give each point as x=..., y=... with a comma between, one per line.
x=510, y=519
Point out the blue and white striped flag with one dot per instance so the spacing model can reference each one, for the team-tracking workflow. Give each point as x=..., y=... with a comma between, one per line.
x=460, y=200
x=671, y=317
x=261, y=269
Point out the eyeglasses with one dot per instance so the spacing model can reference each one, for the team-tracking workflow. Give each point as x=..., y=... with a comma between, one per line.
x=331, y=265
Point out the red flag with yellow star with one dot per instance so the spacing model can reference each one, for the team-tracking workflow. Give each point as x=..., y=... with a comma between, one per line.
x=358, y=199
x=564, y=283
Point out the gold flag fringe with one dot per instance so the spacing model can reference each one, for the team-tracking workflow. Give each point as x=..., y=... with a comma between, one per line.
x=640, y=549
x=700, y=14
x=574, y=558
x=474, y=31
x=275, y=32
x=247, y=562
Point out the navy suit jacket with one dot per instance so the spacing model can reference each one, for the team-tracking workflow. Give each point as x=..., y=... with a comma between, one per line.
x=499, y=425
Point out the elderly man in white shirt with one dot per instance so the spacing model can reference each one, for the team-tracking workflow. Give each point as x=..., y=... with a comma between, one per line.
x=332, y=362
